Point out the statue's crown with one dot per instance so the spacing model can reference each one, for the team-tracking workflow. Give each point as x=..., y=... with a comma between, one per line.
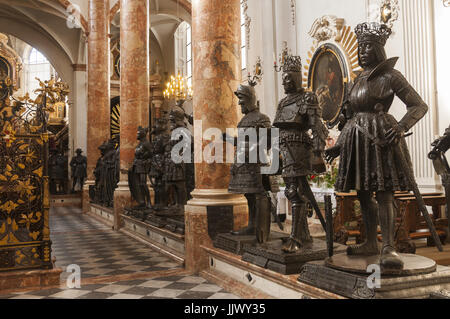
x=373, y=32
x=292, y=63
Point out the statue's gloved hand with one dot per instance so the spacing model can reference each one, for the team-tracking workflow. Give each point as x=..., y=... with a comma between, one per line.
x=332, y=153
x=394, y=135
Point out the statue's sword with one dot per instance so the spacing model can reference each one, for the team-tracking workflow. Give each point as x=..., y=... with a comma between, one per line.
x=412, y=182
x=309, y=194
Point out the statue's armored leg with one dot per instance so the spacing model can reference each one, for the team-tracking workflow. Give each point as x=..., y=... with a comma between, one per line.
x=369, y=210
x=300, y=233
x=389, y=257
x=250, y=229
x=263, y=215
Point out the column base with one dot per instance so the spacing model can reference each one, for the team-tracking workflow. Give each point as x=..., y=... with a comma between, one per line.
x=29, y=279
x=85, y=199
x=122, y=199
x=199, y=231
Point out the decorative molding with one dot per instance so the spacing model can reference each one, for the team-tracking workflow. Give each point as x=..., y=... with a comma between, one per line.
x=386, y=12
x=333, y=30
x=13, y=59
x=293, y=12
x=326, y=28
x=248, y=22
x=79, y=67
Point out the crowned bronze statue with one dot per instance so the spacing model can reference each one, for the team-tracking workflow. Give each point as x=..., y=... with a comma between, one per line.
x=78, y=164
x=301, y=152
x=137, y=175
x=246, y=176
x=374, y=157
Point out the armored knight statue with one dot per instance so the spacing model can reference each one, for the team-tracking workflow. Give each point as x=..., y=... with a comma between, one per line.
x=440, y=163
x=96, y=191
x=246, y=176
x=175, y=173
x=442, y=144
x=58, y=173
x=137, y=175
x=301, y=152
x=78, y=164
x=159, y=141
x=373, y=153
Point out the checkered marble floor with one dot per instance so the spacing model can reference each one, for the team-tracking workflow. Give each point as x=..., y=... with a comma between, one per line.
x=102, y=253
x=171, y=287
x=97, y=249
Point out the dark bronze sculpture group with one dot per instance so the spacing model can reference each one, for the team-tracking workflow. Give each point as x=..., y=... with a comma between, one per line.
x=169, y=180
x=374, y=158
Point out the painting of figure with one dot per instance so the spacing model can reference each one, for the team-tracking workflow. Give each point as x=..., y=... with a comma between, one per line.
x=328, y=83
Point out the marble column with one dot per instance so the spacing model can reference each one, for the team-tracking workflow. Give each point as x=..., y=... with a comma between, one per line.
x=134, y=90
x=98, y=113
x=217, y=74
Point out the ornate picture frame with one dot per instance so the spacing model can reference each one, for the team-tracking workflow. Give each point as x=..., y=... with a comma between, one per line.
x=329, y=78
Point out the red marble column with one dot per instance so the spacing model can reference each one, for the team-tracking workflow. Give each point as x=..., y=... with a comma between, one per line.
x=134, y=89
x=216, y=37
x=98, y=116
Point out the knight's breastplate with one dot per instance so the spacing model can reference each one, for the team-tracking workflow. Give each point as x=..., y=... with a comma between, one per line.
x=287, y=115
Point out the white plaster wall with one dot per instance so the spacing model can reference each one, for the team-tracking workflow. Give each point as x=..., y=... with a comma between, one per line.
x=442, y=44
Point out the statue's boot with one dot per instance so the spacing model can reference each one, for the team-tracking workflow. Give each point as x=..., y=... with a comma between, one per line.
x=389, y=257
x=300, y=236
x=369, y=210
x=262, y=218
x=251, y=227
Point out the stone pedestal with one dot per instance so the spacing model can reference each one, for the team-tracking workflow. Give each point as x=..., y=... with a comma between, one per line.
x=85, y=199
x=355, y=286
x=271, y=256
x=201, y=225
x=29, y=279
x=235, y=244
x=122, y=199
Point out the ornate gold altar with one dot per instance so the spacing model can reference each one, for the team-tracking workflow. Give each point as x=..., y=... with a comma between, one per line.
x=24, y=193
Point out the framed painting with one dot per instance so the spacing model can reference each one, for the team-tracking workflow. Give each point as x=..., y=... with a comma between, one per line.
x=328, y=78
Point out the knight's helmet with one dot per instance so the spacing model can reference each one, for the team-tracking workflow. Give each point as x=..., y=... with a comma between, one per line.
x=176, y=119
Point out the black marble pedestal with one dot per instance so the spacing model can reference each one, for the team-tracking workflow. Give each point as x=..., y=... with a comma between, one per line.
x=138, y=213
x=419, y=278
x=235, y=244
x=271, y=256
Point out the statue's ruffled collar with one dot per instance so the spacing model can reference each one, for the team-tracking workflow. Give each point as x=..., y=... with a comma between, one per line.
x=386, y=65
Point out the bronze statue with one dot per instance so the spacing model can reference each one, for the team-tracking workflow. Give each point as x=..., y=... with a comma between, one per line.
x=373, y=153
x=156, y=174
x=137, y=176
x=106, y=174
x=246, y=177
x=57, y=172
x=441, y=166
x=175, y=173
x=78, y=165
x=301, y=153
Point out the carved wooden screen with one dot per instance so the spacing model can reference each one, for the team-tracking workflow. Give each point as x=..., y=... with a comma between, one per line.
x=24, y=197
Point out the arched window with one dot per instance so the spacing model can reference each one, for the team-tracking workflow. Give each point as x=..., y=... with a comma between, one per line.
x=37, y=67
x=37, y=57
x=183, y=51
